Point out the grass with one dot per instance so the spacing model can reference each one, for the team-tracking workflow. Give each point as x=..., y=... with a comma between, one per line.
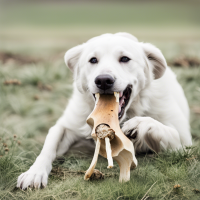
x=24, y=122
x=29, y=109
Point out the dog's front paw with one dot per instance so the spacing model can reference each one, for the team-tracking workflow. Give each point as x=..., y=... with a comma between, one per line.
x=144, y=129
x=33, y=178
x=130, y=127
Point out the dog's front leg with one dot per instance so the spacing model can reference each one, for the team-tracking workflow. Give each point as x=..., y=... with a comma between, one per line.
x=68, y=129
x=146, y=133
x=37, y=175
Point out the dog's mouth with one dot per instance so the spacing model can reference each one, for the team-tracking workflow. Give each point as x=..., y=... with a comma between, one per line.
x=124, y=97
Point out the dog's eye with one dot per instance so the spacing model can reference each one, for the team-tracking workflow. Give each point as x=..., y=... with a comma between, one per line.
x=124, y=59
x=93, y=60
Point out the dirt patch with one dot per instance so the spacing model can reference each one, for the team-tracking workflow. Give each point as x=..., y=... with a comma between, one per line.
x=196, y=110
x=186, y=62
x=12, y=82
x=62, y=173
x=42, y=86
x=7, y=57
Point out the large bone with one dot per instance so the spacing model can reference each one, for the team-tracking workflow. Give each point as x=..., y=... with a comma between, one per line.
x=122, y=150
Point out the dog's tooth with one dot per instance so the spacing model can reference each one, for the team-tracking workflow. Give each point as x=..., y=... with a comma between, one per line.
x=97, y=95
x=116, y=96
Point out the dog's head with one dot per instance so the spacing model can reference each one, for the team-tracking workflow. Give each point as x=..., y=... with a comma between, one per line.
x=115, y=63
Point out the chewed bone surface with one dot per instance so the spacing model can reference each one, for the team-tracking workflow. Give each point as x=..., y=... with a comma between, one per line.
x=104, y=130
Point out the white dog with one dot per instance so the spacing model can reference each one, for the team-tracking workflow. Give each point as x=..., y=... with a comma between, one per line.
x=153, y=110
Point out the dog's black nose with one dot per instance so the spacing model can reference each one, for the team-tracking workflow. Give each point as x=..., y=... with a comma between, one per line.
x=104, y=81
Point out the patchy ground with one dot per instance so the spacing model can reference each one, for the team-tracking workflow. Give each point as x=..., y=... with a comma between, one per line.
x=185, y=62
x=7, y=57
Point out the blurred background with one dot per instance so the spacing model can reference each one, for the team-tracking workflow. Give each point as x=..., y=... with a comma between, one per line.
x=35, y=84
x=47, y=27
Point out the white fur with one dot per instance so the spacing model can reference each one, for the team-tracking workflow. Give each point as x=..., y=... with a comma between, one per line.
x=158, y=110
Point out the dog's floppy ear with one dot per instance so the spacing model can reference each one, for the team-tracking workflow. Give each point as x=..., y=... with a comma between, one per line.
x=72, y=55
x=156, y=58
x=127, y=35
